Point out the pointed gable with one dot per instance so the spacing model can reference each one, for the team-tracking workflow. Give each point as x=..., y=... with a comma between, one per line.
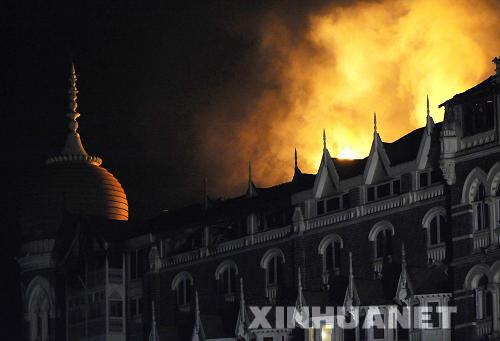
x=327, y=178
x=378, y=165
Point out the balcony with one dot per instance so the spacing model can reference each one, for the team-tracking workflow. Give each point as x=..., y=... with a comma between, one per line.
x=482, y=239
x=484, y=327
x=436, y=253
x=271, y=292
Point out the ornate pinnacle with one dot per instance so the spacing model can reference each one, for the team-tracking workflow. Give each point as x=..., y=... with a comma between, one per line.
x=428, y=110
x=324, y=138
x=296, y=163
x=73, y=104
x=374, y=122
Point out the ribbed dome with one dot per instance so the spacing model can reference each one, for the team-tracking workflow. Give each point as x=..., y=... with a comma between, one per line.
x=79, y=188
x=72, y=182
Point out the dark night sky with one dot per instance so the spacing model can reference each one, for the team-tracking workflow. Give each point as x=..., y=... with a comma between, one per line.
x=144, y=73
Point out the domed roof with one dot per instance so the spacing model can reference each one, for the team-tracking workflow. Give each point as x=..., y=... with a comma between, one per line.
x=72, y=182
x=78, y=188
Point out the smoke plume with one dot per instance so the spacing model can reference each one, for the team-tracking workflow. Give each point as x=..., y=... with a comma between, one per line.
x=331, y=67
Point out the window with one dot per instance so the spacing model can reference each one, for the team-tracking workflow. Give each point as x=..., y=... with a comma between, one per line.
x=182, y=285
x=274, y=271
x=481, y=209
x=383, y=244
x=478, y=116
x=437, y=230
x=332, y=204
x=381, y=234
x=137, y=266
x=115, y=308
x=272, y=262
x=183, y=292
x=423, y=179
x=226, y=277
x=135, y=306
x=484, y=299
x=371, y=193
x=320, y=207
x=383, y=190
x=330, y=250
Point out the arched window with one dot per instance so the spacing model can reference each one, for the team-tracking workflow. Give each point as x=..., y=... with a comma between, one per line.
x=486, y=298
x=437, y=230
x=382, y=233
x=329, y=248
x=272, y=262
x=40, y=308
x=182, y=285
x=225, y=275
x=481, y=209
x=477, y=280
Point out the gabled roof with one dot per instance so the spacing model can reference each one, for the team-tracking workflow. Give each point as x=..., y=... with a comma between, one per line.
x=347, y=168
x=429, y=280
x=405, y=148
x=484, y=85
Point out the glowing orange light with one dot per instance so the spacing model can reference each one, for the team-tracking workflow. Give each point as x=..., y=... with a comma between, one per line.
x=348, y=62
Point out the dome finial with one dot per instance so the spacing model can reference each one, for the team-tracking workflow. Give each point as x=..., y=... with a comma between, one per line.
x=73, y=148
x=73, y=100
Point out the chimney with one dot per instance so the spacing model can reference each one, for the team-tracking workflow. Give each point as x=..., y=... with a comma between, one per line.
x=496, y=60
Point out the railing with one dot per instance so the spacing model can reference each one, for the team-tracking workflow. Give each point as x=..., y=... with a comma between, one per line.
x=436, y=253
x=481, y=239
x=310, y=224
x=484, y=327
x=257, y=238
x=477, y=140
x=271, y=292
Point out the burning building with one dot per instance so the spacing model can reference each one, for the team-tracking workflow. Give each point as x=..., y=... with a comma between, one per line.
x=415, y=224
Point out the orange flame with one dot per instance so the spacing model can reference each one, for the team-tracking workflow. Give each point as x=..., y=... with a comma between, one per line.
x=348, y=62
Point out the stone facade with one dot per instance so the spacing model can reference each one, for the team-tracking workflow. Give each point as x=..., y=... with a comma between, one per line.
x=416, y=223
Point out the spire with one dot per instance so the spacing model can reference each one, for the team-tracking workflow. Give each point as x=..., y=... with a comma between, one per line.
x=300, y=314
x=403, y=264
x=243, y=321
x=73, y=149
x=153, y=334
x=324, y=138
x=251, y=190
x=374, y=122
x=73, y=144
x=296, y=169
x=404, y=285
x=198, y=333
x=249, y=171
x=351, y=277
x=428, y=110
x=429, y=120
x=351, y=291
x=296, y=164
